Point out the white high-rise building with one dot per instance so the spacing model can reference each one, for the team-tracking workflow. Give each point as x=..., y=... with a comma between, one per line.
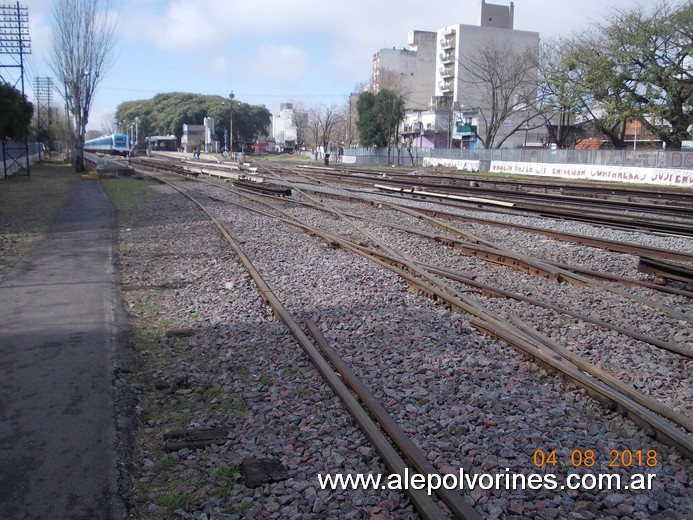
x=449, y=98
x=409, y=71
x=284, y=128
x=460, y=47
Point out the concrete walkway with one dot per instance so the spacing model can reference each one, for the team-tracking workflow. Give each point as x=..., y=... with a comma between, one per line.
x=60, y=324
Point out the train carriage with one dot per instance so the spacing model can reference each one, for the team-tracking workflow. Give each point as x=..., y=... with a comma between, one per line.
x=117, y=144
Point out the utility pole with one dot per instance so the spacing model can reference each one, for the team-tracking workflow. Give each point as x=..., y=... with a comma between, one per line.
x=43, y=91
x=15, y=40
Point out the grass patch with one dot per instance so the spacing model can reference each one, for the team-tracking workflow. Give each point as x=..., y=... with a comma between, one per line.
x=228, y=474
x=127, y=191
x=233, y=402
x=164, y=464
x=210, y=392
x=290, y=372
x=28, y=206
x=172, y=500
x=244, y=506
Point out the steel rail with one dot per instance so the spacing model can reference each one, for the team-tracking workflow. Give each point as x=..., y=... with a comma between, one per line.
x=526, y=264
x=517, y=261
x=668, y=270
x=454, y=501
x=472, y=247
x=592, y=210
x=564, y=273
x=528, y=344
x=521, y=199
x=521, y=184
x=528, y=199
x=424, y=504
x=637, y=405
x=496, y=292
x=493, y=324
x=609, y=245
x=622, y=279
x=633, y=398
x=489, y=251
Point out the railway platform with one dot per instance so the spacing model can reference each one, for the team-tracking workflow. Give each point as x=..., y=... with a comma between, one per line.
x=61, y=327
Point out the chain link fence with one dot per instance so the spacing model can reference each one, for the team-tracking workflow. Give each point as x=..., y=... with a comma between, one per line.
x=414, y=157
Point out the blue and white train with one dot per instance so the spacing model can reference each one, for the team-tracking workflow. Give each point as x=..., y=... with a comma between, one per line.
x=117, y=144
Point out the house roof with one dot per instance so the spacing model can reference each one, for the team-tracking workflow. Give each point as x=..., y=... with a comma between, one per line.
x=589, y=144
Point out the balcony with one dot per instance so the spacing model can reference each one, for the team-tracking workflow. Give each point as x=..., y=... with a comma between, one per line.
x=445, y=86
x=447, y=72
x=447, y=57
x=447, y=43
x=465, y=129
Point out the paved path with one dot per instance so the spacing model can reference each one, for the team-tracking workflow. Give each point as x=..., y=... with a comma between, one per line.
x=59, y=334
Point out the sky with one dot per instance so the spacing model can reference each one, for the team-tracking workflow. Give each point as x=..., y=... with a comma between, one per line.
x=302, y=51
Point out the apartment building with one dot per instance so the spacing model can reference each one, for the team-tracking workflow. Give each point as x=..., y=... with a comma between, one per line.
x=409, y=71
x=452, y=102
x=284, y=128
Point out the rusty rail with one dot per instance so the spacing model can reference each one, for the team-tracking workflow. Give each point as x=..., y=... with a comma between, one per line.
x=424, y=504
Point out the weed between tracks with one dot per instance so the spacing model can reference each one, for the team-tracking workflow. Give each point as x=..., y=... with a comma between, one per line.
x=159, y=483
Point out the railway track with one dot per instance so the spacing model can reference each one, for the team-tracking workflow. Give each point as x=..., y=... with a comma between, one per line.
x=666, y=215
x=652, y=199
x=515, y=332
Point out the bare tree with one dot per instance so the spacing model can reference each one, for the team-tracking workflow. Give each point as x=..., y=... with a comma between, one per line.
x=500, y=82
x=394, y=81
x=300, y=120
x=83, y=39
x=324, y=121
x=557, y=97
x=345, y=132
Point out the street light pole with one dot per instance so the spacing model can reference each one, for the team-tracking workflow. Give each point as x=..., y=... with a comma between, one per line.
x=137, y=134
x=230, y=149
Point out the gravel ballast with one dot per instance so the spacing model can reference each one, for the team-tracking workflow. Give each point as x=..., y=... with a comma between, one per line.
x=208, y=353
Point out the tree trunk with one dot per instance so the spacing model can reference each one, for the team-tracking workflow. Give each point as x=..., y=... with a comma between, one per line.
x=78, y=161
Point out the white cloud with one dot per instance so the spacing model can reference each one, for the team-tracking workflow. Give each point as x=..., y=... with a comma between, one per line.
x=207, y=45
x=281, y=64
x=214, y=66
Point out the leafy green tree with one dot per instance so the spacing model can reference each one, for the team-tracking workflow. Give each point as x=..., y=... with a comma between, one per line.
x=368, y=124
x=654, y=55
x=636, y=66
x=556, y=98
x=597, y=87
x=379, y=116
x=167, y=113
x=249, y=122
x=15, y=113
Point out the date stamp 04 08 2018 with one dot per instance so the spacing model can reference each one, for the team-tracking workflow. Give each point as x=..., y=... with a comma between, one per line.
x=588, y=458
